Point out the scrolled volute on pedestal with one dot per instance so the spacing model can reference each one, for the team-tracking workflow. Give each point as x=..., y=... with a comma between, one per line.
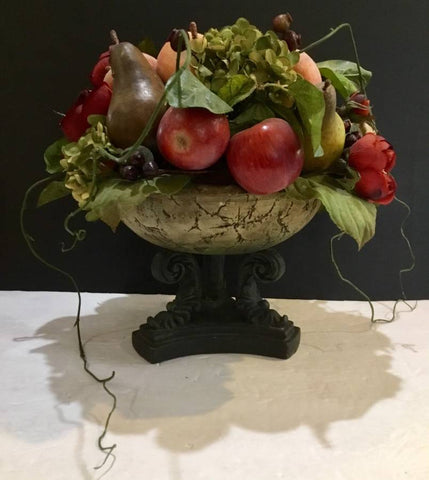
x=182, y=268
x=264, y=266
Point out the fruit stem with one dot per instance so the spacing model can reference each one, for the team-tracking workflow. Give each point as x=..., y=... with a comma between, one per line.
x=332, y=33
x=114, y=37
x=193, y=29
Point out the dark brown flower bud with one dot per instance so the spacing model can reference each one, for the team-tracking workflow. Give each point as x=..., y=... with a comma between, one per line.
x=292, y=39
x=174, y=37
x=282, y=22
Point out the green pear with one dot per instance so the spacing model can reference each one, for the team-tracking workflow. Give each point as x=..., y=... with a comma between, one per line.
x=333, y=134
x=137, y=90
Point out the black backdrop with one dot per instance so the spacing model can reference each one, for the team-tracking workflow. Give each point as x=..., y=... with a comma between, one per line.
x=49, y=47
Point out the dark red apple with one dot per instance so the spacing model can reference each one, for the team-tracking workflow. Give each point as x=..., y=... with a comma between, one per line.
x=265, y=158
x=192, y=138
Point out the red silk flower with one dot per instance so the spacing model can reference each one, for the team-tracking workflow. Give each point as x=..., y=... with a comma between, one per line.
x=360, y=105
x=100, y=69
x=373, y=157
x=89, y=102
x=375, y=186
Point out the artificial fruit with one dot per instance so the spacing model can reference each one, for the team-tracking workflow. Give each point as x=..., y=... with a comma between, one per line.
x=308, y=69
x=137, y=92
x=167, y=56
x=192, y=138
x=265, y=158
x=332, y=136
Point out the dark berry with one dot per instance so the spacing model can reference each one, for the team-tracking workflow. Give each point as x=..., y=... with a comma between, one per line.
x=140, y=156
x=150, y=167
x=351, y=138
x=129, y=172
x=347, y=125
x=292, y=39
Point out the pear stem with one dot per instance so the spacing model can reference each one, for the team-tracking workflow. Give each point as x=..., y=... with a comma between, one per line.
x=193, y=29
x=114, y=37
x=332, y=33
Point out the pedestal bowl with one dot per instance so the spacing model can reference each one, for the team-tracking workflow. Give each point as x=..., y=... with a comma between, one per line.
x=197, y=228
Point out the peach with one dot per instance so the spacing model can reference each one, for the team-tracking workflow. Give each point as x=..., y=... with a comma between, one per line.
x=166, y=60
x=307, y=68
x=108, y=78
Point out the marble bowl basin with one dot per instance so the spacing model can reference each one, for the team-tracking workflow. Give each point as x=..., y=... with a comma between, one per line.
x=218, y=220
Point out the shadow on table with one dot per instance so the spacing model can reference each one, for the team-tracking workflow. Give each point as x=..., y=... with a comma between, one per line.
x=339, y=372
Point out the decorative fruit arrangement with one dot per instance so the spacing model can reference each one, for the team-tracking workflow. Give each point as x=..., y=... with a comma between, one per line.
x=231, y=105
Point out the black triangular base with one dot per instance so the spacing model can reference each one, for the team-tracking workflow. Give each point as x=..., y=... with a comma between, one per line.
x=164, y=344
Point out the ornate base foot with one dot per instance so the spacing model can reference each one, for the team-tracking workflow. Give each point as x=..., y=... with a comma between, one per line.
x=204, y=319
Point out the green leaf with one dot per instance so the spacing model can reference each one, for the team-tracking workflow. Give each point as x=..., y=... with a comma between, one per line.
x=53, y=155
x=53, y=191
x=351, y=214
x=342, y=84
x=252, y=114
x=311, y=107
x=147, y=46
x=290, y=117
x=170, y=184
x=94, y=119
x=115, y=193
x=236, y=89
x=187, y=91
x=349, y=70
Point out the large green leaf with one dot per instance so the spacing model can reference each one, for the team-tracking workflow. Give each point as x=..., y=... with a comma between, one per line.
x=347, y=69
x=53, y=155
x=341, y=83
x=184, y=90
x=53, y=191
x=115, y=193
x=311, y=107
x=351, y=214
x=236, y=89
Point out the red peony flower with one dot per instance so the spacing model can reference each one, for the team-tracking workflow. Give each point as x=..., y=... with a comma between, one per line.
x=99, y=71
x=376, y=186
x=372, y=151
x=373, y=157
x=360, y=105
x=89, y=102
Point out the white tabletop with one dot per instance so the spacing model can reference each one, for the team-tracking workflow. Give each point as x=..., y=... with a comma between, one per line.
x=352, y=403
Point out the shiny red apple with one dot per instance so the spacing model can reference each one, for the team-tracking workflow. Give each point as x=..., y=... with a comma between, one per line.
x=192, y=138
x=265, y=158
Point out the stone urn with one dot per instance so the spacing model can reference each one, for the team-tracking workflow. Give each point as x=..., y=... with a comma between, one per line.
x=196, y=228
x=218, y=220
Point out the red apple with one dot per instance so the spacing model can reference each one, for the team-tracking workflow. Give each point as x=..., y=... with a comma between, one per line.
x=265, y=158
x=192, y=138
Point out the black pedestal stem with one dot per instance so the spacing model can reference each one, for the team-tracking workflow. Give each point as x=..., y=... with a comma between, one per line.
x=203, y=318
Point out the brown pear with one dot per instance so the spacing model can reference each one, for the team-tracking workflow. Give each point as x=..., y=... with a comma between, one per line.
x=137, y=90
